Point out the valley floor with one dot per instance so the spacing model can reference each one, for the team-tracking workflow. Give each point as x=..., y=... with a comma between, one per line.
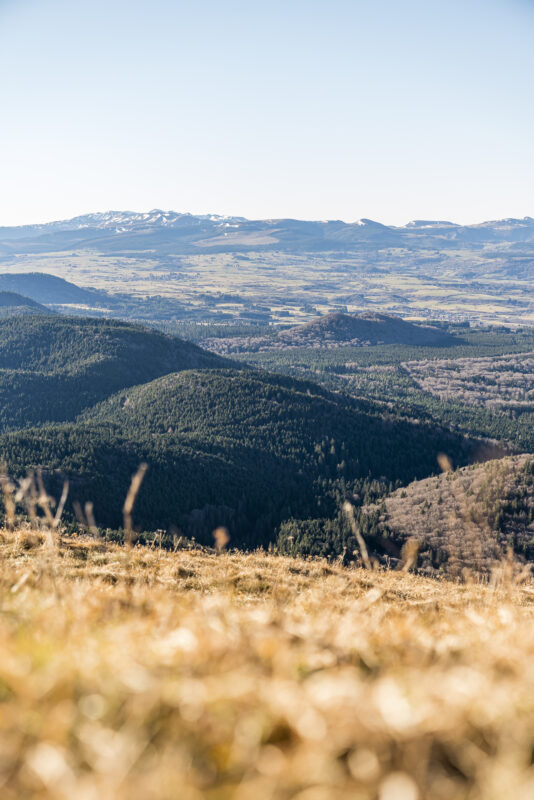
x=146, y=674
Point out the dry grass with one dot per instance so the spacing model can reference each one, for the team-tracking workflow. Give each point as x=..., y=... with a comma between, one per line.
x=135, y=673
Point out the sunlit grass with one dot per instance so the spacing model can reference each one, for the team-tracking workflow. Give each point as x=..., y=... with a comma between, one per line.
x=140, y=673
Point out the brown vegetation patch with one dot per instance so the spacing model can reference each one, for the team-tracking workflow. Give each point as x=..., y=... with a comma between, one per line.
x=468, y=520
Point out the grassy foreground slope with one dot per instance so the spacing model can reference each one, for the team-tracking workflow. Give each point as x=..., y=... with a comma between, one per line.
x=146, y=675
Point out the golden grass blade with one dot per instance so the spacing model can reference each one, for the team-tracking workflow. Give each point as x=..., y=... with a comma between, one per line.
x=409, y=554
x=8, y=492
x=61, y=505
x=348, y=508
x=90, y=517
x=129, y=503
x=222, y=537
x=44, y=501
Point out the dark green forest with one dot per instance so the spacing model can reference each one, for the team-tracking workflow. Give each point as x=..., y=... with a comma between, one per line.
x=377, y=373
x=243, y=449
x=52, y=367
x=272, y=457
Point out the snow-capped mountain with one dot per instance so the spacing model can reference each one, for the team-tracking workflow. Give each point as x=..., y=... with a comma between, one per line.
x=127, y=220
x=171, y=231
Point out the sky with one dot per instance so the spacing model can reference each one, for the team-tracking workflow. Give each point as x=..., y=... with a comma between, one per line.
x=315, y=109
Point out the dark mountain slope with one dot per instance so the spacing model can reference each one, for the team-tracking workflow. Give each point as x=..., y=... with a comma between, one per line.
x=244, y=449
x=13, y=304
x=53, y=367
x=49, y=289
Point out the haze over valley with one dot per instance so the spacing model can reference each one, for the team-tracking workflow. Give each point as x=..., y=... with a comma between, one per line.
x=166, y=265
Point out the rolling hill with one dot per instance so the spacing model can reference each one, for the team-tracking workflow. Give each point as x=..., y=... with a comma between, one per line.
x=240, y=448
x=337, y=330
x=52, y=367
x=91, y=399
x=13, y=304
x=49, y=289
x=368, y=327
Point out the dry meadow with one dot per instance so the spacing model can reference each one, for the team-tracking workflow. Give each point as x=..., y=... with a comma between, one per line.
x=136, y=674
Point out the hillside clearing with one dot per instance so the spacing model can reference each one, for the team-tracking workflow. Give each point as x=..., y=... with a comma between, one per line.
x=467, y=519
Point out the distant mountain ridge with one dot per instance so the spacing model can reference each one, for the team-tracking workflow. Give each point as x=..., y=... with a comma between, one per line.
x=40, y=287
x=186, y=233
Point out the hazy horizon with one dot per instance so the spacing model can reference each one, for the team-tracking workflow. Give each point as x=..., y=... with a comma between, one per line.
x=260, y=219
x=309, y=110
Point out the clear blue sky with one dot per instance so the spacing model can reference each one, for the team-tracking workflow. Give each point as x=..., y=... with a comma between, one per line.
x=335, y=109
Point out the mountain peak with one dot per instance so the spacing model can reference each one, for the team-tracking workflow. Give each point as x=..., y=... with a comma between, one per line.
x=428, y=223
x=179, y=232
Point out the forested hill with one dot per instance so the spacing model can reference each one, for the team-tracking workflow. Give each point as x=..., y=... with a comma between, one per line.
x=53, y=367
x=282, y=415
x=337, y=330
x=14, y=304
x=244, y=449
x=368, y=327
x=89, y=400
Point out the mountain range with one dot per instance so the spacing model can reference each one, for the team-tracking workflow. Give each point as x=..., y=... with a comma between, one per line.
x=185, y=233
